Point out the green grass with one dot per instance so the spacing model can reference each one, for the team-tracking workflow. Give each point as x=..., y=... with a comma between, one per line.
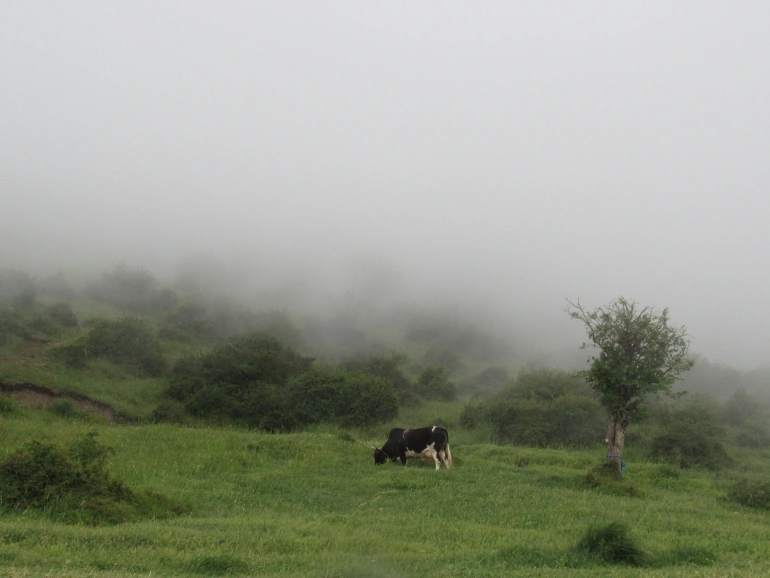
x=313, y=504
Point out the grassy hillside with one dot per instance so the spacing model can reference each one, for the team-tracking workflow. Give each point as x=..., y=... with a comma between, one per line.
x=314, y=504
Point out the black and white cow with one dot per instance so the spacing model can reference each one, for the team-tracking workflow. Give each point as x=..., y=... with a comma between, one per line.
x=429, y=442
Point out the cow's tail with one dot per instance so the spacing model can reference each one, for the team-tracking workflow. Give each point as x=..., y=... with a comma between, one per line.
x=447, y=452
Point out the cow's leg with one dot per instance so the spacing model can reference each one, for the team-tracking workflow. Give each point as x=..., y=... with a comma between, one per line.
x=434, y=455
x=403, y=459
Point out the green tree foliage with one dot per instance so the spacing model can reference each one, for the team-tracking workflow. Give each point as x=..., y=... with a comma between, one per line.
x=691, y=437
x=264, y=383
x=129, y=342
x=433, y=383
x=338, y=396
x=242, y=379
x=640, y=354
x=389, y=369
x=540, y=408
x=73, y=483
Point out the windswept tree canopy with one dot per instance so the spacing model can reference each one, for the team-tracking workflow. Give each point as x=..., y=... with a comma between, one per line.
x=640, y=352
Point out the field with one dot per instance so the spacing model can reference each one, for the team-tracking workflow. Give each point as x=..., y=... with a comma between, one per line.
x=313, y=504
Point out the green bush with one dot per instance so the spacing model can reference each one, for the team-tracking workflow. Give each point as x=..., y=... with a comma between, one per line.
x=337, y=396
x=62, y=313
x=433, y=383
x=568, y=420
x=753, y=494
x=612, y=543
x=73, y=483
x=753, y=435
x=691, y=438
x=243, y=379
x=129, y=342
x=389, y=369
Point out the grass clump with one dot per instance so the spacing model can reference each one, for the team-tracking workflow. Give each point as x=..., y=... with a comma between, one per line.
x=73, y=484
x=606, y=478
x=612, y=543
x=752, y=494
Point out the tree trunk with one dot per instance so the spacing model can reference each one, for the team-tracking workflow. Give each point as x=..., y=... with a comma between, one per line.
x=616, y=438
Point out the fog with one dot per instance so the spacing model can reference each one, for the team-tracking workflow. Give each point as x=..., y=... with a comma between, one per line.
x=493, y=158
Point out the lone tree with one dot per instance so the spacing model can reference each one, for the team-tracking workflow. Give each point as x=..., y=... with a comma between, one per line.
x=641, y=355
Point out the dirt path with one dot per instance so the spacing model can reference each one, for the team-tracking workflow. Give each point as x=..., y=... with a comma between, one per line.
x=33, y=395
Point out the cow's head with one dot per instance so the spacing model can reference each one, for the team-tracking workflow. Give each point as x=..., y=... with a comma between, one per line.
x=380, y=457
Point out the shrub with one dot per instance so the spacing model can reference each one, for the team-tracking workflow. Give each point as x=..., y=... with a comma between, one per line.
x=73, y=483
x=569, y=420
x=691, y=438
x=129, y=342
x=389, y=369
x=242, y=379
x=62, y=313
x=433, y=383
x=64, y=407
x=753, y=494
x=612, y=543
x=753, y=435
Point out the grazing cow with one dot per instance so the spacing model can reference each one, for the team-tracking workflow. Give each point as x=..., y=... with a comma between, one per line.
x=429, y=442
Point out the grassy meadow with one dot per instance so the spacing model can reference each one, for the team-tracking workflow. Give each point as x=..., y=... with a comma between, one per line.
x=313, y=504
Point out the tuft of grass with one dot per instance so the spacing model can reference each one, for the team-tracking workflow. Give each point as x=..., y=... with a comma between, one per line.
x=612, y=543
x=220, y=565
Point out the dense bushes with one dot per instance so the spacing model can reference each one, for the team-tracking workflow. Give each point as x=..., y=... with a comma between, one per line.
x=73, y=483
x=350, y=399
x=128, y=342
x=540, y=408
x=258, y=380
x=433, y=383
x=691, y=438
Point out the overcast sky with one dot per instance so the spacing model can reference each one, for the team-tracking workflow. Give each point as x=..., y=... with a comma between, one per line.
x=510, y=154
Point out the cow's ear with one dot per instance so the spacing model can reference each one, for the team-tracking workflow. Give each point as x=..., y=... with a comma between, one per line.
x=374, y=448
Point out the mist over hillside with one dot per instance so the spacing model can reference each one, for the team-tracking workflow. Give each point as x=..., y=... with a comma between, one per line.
x=376, y=164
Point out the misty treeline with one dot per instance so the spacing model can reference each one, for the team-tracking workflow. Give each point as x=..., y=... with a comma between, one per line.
x=224, y=360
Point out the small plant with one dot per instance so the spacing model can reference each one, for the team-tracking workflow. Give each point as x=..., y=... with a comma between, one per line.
x=612, y=543
x=64, y=407
x=752, y=494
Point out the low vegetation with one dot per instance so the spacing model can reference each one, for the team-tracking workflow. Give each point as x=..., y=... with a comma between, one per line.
x=238, y=452
x=72, y=483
